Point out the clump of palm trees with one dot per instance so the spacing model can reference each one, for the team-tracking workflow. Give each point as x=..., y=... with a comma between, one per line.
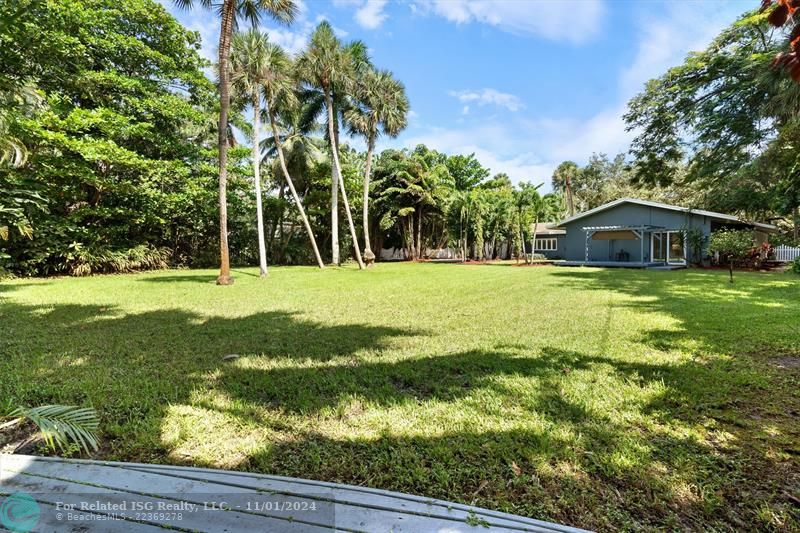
x=328, y=76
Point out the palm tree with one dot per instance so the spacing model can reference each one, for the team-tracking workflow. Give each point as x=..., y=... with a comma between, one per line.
x=279, y=91
x=462, y=204
x=527, y=198
x=230, y=12
x=562, y=181
x=249, y=70
x=323, y=65
x=382, y=106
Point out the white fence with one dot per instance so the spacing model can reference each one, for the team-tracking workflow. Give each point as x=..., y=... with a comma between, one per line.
x=786, y=254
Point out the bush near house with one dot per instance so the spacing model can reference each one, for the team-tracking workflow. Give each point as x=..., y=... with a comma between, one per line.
x=795, y=266
x=736, y=246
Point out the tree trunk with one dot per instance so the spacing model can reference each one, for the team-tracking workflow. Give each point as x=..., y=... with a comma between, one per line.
x=419, y=233
x=262, y=250
x=335, y=259
x=533, y=237
x=338, y=172
x=226, y=29
x=795, y=231
x=289, y=182
x=570, y=200
x=369, y=257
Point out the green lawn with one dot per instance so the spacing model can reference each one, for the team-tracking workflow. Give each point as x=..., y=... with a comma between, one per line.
x=608, y=399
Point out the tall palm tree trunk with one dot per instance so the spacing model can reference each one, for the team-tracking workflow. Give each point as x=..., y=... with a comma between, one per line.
x=369, y=257
x=262, y=250
x=228, y=6
x=306, y=223
x=338, y=173
x=335, y=259
x=419, y=233
x=570, y=200
x=533, y=237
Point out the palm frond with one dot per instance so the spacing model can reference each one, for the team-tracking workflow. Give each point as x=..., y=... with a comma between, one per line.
x=62, y=424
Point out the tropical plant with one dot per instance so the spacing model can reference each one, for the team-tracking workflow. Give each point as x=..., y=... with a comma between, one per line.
x=249, y=70
x=15, y=102
x=230, y=12
x=326, y=65
x=278, y=88
x=59, y=425
x=696, y=241
x=781, y=13
x=563, y=177
x=382, y=106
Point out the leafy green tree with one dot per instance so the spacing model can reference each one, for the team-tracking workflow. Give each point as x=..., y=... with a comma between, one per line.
x=725, y=119
x=466, y=170
x=231, y=12
x=381, y=106
x=120, y=148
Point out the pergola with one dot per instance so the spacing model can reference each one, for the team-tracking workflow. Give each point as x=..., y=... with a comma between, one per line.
x=637, y=230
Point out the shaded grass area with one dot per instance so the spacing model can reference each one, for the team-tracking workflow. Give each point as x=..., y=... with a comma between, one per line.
x=607, y=399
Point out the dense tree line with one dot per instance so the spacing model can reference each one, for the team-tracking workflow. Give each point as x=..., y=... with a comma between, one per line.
x=113, y=157
x=112, y=140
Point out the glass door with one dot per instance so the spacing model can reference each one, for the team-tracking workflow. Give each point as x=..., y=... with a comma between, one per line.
x=675, y=248
x=658, y=251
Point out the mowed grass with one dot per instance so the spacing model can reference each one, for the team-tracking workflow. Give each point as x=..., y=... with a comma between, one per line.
x=607, y=399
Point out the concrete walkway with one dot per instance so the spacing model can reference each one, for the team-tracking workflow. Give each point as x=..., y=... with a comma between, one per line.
x=52, y=494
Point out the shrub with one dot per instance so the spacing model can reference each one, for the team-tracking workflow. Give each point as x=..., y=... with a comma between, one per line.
x=732, y=246
x=83, y=261
x=696, y=241
x=795, y=266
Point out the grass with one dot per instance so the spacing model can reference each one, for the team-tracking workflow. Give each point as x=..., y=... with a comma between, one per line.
x=607, y=399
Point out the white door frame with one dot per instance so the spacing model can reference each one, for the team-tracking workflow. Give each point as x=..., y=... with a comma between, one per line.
x=665, y=234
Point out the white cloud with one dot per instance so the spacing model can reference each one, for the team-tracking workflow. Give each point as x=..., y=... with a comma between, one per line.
x=574, y=22
x=665, y=40
x=291, y=41
x=529, y=148
x=465, y=110
x=371, y=15
x=489, y=96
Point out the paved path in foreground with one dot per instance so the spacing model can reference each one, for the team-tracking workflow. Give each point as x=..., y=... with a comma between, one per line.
x=77, y=495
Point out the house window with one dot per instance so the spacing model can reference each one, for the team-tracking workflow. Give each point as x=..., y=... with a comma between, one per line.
x=546, y=245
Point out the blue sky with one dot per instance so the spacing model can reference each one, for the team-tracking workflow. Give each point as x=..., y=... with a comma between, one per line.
x=524, y=84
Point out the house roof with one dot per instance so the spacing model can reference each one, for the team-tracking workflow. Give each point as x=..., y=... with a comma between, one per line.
x=659, y=205
x=549, y=228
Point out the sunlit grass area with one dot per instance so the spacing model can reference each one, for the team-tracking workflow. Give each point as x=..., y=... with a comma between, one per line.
x=607, y=399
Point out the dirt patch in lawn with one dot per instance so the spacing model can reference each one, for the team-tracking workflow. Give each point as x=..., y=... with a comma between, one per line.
x=786, y=362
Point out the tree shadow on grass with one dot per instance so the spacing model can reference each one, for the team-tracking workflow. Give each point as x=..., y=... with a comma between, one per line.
x=567, y=461
x=718, y=317
x=179, y=278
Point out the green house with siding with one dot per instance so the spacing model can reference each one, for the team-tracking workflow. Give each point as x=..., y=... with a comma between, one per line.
x=641, y=233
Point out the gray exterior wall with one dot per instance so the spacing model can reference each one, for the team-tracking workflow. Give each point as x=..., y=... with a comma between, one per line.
x=626, y=214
